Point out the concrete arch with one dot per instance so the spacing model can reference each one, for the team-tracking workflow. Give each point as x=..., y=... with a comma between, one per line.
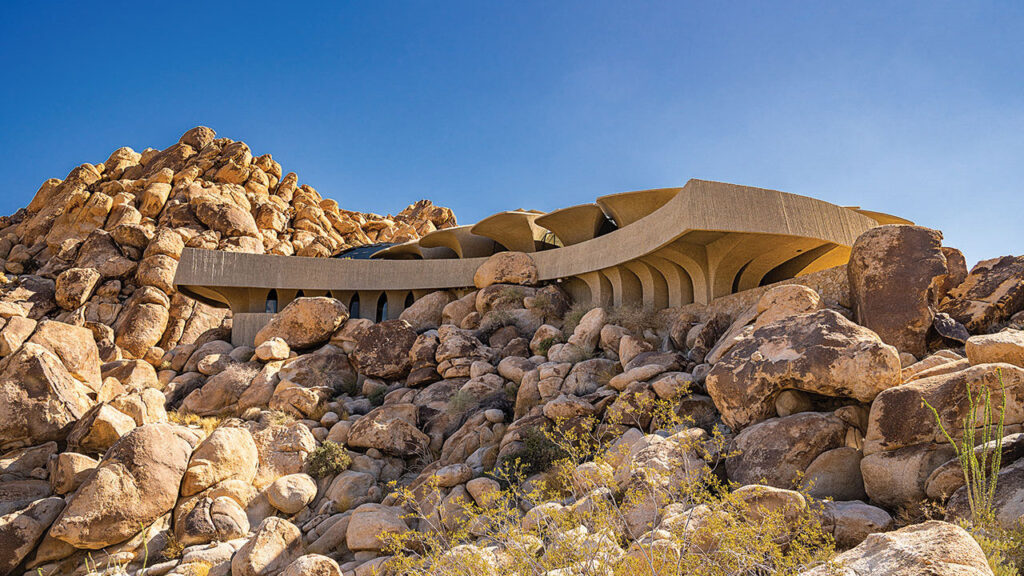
x=514, y=230
x=760, y=266
x=574, y=224
x=654, y=288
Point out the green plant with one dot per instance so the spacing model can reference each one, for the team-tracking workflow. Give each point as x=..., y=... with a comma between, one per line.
x=376, y=397
x=593, y=523
x=573, y=316
x=980, y=458
x=174, y=548
x=544, y=345
x=1003, y=548
x=328, y=459
x=461, y=402
x=540, y=451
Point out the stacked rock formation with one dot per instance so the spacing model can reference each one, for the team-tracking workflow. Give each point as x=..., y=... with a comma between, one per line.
x=100, y=247
x=170, y=451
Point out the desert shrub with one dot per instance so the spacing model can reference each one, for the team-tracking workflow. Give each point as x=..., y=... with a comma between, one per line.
x=573, y=316
x=589, y=525
x=1003, y=548
x=207, y=423
x=174, y=548
x=539, y=451
x=544, y=345
x=328, y=459
x=461, y=402
x=376, y=397
x=634, y=318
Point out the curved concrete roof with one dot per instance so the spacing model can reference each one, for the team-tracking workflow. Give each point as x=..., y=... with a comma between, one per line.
x=628, y=207
x=574, y=224
x=680, y=245
x=515, y=229
x=460, y=240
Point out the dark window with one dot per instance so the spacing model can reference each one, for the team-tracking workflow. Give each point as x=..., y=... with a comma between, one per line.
x=272, y=302
x=409, y=300
x=382, y=308
x=353, y=307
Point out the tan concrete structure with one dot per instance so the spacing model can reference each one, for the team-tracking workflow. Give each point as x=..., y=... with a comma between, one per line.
x=659, y=248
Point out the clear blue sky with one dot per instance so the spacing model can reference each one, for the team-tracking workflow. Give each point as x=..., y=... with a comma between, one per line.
x=911, y=108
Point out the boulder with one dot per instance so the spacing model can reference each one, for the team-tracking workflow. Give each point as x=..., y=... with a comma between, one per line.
x=933, y=548
x=273, y=349
x=892, y=271
x=136, y=482
x=14, y=333
x=291, y=493
x=425, y=313
x=853, y=521
x=899, y=418
x=99, y=429
x=506, y=268
x=777, y=451
x=282, y=449
x=141, y=325
x=305, y=322
x=39, y=399
x=369, y=522
x=75, y=347
x=991, y=294
x=312, y=565
x=275, y=544
x=382, y=350
x=1006, y=346
x=822, y=353
x=392, y=429
x=836, y=474
x=1007, y=501
x=68, y=470
x=228, y=453
x=22, y=529
x=75, y=286
x=207, y=519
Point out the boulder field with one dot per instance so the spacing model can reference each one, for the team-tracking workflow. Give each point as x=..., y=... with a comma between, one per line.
x=133, y=434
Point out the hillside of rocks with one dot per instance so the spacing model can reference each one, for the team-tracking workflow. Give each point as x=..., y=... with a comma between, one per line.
x=291, y=457
x=99, y=248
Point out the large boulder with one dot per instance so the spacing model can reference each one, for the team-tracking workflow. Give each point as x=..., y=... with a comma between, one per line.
x=276, y=544
x=75, y=286
x=382, y=350
x=822, y=353
x=75, y=347
x=392, y=429
x=992, y=292
x=22, y=529
x=506, y=268
x=371, y=521
x=932, y=548
x=305, y=322
x=425, y=313
x=1005, y=346
x=228, y=453
x=777, y=451
x=903, y=444
x=136, y=483
x=39, y=399
x=892, y=271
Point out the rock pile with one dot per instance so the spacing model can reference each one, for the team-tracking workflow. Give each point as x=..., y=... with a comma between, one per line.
x=201, y=457
x=99, y=248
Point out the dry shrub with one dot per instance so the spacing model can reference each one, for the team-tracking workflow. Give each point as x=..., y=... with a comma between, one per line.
x=588, y=524
x=328, y=459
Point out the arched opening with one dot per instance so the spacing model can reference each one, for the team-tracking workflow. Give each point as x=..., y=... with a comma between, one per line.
x=382, y=308
x=300, y=294
x=271, y=307
x=353, y=306
x=409, y=300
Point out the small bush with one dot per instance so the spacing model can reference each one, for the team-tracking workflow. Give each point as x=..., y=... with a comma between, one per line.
x=328, y=459
x=544, y=345
x=540, y=452
x=173, y=549
x=376, y=397
x=572, y=318
x=207, y=423
x=461, y=402
x=634, y=318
